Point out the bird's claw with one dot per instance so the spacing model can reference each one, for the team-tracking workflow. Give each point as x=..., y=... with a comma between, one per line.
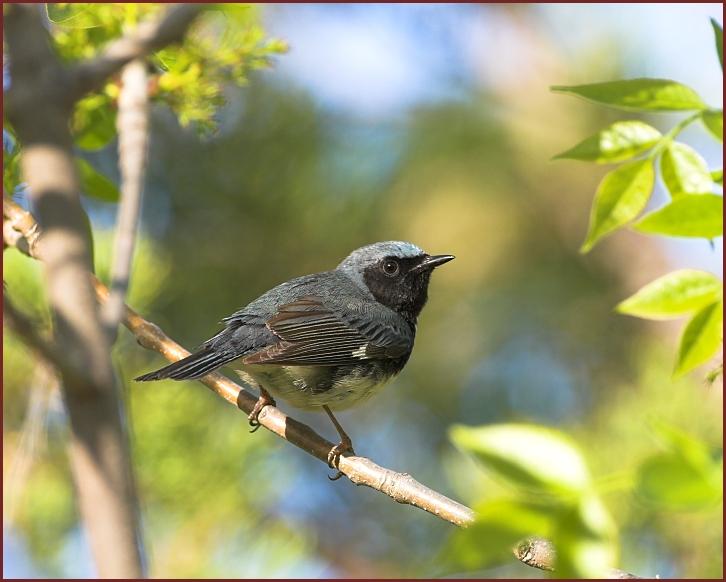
x=253, y=417
x=334, y=457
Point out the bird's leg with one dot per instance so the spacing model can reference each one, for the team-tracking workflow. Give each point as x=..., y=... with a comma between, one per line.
x=262, y=401
x=344, y=446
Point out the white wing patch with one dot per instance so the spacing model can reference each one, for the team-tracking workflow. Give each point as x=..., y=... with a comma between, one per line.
x=361, y=352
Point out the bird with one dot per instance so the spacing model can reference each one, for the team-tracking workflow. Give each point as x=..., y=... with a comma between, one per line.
x=329, y=340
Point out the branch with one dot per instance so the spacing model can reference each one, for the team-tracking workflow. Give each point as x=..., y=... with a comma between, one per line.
x=142, y=41
x=133, y=137
x=400, y=487
x=21, y=325
x=536, y=552
x=362, y=471
x=39, y=109
x=541, y=553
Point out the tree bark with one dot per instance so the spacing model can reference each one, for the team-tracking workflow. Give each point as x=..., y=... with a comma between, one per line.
x=39, y=103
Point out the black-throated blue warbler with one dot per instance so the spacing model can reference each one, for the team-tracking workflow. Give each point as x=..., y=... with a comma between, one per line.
x=328, y=340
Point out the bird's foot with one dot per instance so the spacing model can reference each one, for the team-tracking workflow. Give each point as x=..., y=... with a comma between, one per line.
x=264, y=400
x=344, y=446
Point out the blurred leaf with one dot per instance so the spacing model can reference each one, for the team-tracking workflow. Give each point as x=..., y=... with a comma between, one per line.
x=638, y=94
x=94, y=122
x=679, y=442
x=71, y=15
x=149, y=269
x=585, y=540
x=713, y=120
x=10, y=142
x=670, y=481
x=718, y=36
x=95, y=184
x=621, y=196
x=717, y=176
x=685, y=171
x=11, y=159
x=223, y=46
x=528, y=455
x=620, y=141
x=47, y=513
x=499, y=525
x=11, y=172
x=701, y=338
x=714, y=374
x=673, y=295
x=24, y=283
x=690, y=215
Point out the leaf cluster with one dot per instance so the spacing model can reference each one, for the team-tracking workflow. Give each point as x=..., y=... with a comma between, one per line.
x=695, y=208
x=552, y=495
x=223, y=47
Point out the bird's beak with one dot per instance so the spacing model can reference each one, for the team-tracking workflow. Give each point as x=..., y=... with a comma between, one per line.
x=431, y=262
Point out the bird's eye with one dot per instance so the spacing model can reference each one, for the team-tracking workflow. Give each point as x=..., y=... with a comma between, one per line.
x=390, y=267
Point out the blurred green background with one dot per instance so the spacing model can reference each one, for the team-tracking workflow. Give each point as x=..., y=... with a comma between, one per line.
x=425, y=123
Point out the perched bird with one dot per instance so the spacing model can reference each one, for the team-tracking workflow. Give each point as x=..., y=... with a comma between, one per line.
x=329, y=340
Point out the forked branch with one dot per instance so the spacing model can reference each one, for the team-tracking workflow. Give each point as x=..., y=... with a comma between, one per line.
x=145, y=39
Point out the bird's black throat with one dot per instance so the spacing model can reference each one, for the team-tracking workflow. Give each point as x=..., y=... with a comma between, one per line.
x=406, y=294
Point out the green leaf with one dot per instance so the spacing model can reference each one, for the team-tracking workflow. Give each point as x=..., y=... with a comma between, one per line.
x=668, y=480
x=620, y=141
x=679, y=442
x=638, y=94
x=12, y=176
x=530, y=456
x=586, y=540
x=95, y=184
x=499, y=525
x=701, y=338
x=673, y=295
x=684, y=170
x=94, y=122
x=718, y=34
x=713, y=120
x=73, y=15
x=621, y=196
x=690, y=215
x=714, y=374
x=717, y=176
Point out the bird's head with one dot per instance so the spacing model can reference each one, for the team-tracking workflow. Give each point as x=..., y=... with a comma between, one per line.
x=396, y=273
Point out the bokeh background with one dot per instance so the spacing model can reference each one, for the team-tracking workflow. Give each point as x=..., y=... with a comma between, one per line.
x=429, y=123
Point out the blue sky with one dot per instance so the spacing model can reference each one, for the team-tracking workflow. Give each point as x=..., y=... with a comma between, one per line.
x=374, y=62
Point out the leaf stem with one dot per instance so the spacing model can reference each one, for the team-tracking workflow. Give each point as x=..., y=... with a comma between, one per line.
x=666, y=140
x=615, y=482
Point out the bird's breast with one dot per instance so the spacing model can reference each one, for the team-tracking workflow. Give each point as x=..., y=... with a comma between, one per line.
x=311, y=387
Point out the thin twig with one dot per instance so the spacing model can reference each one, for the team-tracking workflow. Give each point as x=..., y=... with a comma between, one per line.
x=133, y=138
x=33, y=436
x=536, y=552
x=145, y=39
x=540, y=553
x=400, y=487
x=21, y=325
x=361, y=471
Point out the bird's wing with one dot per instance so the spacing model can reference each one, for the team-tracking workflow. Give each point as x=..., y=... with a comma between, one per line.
x=311, y=334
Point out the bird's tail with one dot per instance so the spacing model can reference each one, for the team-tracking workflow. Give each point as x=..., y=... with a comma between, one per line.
x=194, y=366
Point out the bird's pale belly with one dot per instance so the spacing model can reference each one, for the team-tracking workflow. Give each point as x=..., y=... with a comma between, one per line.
x=309, y=387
